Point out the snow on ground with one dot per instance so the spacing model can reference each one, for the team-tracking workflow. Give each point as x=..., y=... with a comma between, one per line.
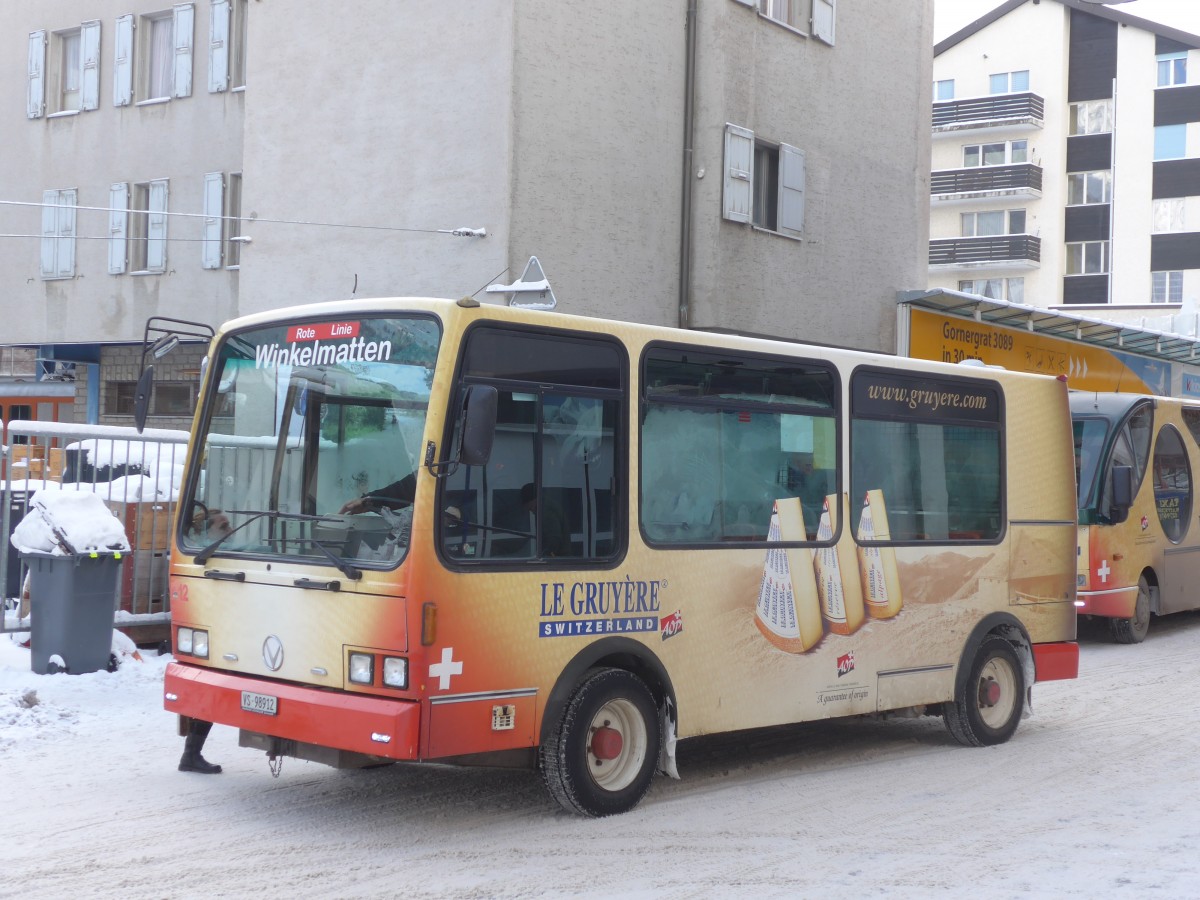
x=1097, y=795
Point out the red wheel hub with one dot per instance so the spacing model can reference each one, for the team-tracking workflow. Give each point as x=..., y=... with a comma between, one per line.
x=606, y=743
x=989, y=693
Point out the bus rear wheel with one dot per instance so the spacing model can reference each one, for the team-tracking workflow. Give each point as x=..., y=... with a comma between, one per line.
x=601, y=755
x=1133, y=630
x=990, y=701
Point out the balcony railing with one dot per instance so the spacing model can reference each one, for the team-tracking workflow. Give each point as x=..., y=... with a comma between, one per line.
x=1022, y=177
x=981, y=112
x=1018, y=250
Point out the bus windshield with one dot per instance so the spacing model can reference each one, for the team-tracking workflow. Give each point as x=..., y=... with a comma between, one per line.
x=1089, y=445
x=311, y=437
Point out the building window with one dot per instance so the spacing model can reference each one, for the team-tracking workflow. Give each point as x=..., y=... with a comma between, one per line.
x=1090, y=117
x=786, y=11
x=815, y=17
x=227, y=45
x=1172, y=69
x=233, y=221
x=1089, y=187
x=162, y=44
x=764, y=183
x=71, y=75
x=1170, y=141
x=944, y=89
x=993, y=222
x=1166, y=287
x=169, y=398
x=1010, y=289
x=147, y=231
x=1009, y=82
x=58, y=233
x=1087, y=258
x=1168, y=215
x=70, y=68
x=1001, y=153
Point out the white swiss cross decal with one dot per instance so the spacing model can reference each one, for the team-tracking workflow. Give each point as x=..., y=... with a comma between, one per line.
x=1104, y=571
x=447, y=668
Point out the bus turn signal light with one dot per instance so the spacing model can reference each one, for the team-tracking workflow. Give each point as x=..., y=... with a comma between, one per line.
x=428, y=624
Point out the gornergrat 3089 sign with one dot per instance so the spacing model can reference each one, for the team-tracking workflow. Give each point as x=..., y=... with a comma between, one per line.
x=887, y=395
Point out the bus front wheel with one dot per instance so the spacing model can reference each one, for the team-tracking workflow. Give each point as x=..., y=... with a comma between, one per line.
x=600, y=757
x=988, y=704
x=1133, y=630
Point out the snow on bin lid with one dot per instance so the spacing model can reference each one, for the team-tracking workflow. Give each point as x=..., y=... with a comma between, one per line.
x=69, y=522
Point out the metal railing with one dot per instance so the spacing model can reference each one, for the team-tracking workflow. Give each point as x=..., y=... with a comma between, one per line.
x=1008, y=248
x=1021, y=176
x=982, y=111
x=137, y=476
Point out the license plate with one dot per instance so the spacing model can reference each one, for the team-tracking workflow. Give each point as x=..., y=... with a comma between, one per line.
x=260, y=703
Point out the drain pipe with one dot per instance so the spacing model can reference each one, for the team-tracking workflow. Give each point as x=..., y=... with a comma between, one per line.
x=685, y=210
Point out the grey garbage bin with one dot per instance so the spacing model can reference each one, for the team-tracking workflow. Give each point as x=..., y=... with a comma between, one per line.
x=72, y=599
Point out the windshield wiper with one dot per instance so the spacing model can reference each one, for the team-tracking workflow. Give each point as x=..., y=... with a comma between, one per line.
x=342, y=566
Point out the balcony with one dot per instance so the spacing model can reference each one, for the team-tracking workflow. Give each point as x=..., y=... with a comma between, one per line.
x=997, y=113
x=1002, y=251
x=1023, y=180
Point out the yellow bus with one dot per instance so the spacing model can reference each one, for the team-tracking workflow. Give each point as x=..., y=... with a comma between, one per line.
x=426, y=530
x=1138, y=557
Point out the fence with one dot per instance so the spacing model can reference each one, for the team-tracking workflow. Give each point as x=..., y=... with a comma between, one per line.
x=137, y=475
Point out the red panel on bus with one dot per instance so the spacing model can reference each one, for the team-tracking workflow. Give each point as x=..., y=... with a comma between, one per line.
x=1055, y=662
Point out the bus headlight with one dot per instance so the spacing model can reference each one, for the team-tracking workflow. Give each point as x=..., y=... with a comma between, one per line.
x=362, y=668
x=193, y=641
x=395, y=671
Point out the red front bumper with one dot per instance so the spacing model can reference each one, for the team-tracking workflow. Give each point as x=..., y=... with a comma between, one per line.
x=361, y=724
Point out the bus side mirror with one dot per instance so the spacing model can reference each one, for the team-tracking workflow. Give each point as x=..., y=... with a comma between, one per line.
x=141, y=399
x=1122, y=493
x=478, y=424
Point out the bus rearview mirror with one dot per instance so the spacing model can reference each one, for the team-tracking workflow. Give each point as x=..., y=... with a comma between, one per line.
x=1122, y=492
x=478, y=424
x=141, y=399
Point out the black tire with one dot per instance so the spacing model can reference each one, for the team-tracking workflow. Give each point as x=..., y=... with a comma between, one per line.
x=989, y=702
x=600, y=756
x=1133, y=630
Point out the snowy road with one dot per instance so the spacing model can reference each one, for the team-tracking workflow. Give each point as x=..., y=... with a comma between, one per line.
x=1097, y=795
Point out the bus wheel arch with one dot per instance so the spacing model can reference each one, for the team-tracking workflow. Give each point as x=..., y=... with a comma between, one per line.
x=604, y=726
x=1134, y=629
x=992, y=684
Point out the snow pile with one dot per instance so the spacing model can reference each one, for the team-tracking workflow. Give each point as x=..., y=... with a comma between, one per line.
x=153, y=470
x=69, y=522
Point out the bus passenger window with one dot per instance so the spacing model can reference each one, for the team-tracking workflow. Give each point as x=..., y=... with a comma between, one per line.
x=1172, y=484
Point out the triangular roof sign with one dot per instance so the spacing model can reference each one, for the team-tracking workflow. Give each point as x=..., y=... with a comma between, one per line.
x=531, y=291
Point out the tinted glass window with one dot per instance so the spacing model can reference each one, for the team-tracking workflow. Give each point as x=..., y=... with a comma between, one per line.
x=1172, y=480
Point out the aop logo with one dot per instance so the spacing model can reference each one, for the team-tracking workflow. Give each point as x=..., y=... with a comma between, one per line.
x=272, y=652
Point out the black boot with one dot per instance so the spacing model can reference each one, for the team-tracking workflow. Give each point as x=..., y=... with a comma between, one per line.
x=192, y=761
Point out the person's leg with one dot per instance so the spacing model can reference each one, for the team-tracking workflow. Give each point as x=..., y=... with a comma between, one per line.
x=192, y=761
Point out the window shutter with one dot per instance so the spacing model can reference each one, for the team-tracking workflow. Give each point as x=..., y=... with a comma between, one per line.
x=49, y=233
x=822, y=20
x=218, y=47
x=89, y=33
x=791, y=190
x=156, y=227
x=123, y=62
x=118, y=227
x=214, y=204
x=185, y=14
x=739, y=173
x=748, y=2
x=67, y=200
x=37, y=75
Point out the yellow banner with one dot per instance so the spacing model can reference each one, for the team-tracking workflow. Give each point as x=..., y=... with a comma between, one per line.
x=954, y=339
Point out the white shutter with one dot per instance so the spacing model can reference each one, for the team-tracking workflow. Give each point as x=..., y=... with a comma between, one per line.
x=89, y=33
x=67, y=200
x=49, y=233
x=748, y=2
x=36, y=104
x=823, y=14
x=739, y=173
x=156, y=227
x=218, y=46
x=185, y=14
x=791, y=190
x=123, y=62
x=214, y=205
x=118, y=227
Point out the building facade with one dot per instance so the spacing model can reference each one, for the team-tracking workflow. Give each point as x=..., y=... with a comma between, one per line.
x=1066, y=162
x=693, y=162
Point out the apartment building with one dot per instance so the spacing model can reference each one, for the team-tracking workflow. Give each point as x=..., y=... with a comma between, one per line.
x=1066, y=161
x=693, y=162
